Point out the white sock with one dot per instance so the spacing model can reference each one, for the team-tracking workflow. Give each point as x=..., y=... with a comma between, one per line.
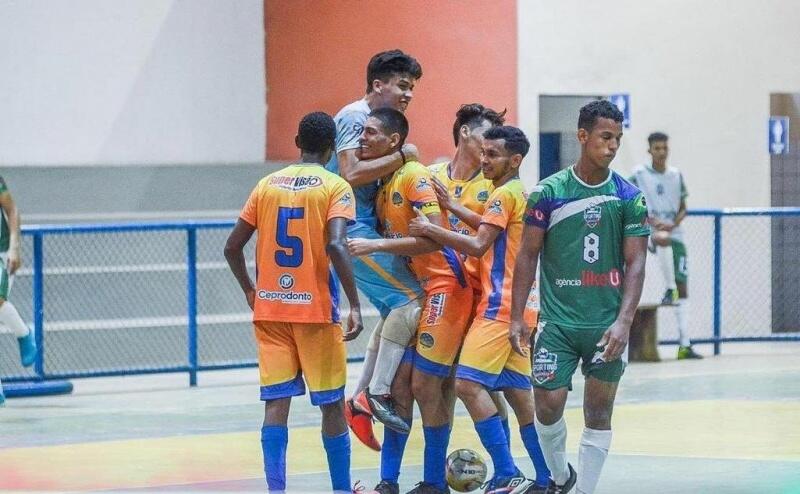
x=682, y=316
x=10, y=317
x=665, y=261
x=591, y=456
x=370, y=356
x=389, y=356
x=553, y=440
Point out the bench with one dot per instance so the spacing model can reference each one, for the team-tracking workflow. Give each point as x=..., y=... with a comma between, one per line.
x=643, y=341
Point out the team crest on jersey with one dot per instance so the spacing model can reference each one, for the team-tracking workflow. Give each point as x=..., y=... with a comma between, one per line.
x=346, y=199
x=435, y=309
x=422, y=184
x=592, y=214
x=457, y=191
x=660, y=189
x=453, y=220
x=545, y=365
x=397, y=199
x=496, y=207
x=426, y=340
x=483, y=196
x=286, y=281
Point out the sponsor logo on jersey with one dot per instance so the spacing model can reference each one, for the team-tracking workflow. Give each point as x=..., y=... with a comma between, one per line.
x=483, y=196
x=286, y=297
x=590, y=278
x=545, y=365
x=435, y=308
x=457, y=191
x=397, y=198
x=426, y=340
x=592, y=214
x=496, y=207
x=286, y=281
x=295, y=183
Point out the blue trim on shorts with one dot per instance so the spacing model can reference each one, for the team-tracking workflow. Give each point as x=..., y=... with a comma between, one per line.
x=333, y=288
x=319, y=398
x=455, y=265
x=469, y=374
x=430, y=367
x=294, y=387
x=409, y=355
x=512, y=379
x=498, y=273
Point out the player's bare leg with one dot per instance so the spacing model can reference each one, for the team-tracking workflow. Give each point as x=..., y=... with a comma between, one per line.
x=521, y=401
x=552, y=431
x=394, y=443
x=598, y=406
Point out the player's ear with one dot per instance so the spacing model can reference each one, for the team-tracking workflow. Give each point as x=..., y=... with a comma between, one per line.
x=394, y=140
x=516, y=161
x=377, y=85
x=464, y=131
x=583, y=136
x=297, y=141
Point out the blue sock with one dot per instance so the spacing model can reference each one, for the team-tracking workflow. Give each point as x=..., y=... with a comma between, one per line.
x=274, y=439
x=436, y=441
x=507, y=430
x=338, y=451
x=531, y=441
x=494, y=440
x=394, y=445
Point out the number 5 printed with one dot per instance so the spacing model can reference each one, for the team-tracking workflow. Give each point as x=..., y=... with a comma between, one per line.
x=293, y=257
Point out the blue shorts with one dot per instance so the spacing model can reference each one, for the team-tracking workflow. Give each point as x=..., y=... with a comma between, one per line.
x=385, y=279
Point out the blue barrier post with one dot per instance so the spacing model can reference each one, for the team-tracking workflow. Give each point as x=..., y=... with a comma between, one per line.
x=38, y=301
x=717, y=282
x=191, y=290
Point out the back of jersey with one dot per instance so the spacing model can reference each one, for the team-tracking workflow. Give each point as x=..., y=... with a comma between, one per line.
x=290, y=209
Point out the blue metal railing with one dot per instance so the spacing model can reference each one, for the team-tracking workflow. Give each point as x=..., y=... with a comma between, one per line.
x=39, y=233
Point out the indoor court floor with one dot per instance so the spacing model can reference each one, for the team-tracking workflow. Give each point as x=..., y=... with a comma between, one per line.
x=726, y=424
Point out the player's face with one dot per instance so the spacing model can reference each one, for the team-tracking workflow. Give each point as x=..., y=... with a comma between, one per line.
x=472, y=139
x=396, y=92
x=601, y=144
x=496, y=161
x=659, y=150
x=374, y=141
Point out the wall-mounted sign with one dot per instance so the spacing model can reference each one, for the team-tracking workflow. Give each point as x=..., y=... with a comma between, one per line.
x=623, y=102
x=778, y=133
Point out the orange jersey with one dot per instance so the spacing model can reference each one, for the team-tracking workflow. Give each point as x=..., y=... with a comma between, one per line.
x=472, y=194
x=505, y=209
x=410, y=187
x=291, y=209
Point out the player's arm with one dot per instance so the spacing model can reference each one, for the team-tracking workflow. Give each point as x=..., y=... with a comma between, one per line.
x=234, y=254
x=681, y=213
x=461, y=212
x=359, y=172
x=616, y=337
x=336, y=249
x=406, y=246
x=475, y=246
x=12, y=214
x=521, y=283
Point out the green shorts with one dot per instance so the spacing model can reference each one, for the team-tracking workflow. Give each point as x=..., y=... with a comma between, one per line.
x=5, y=279
x=679, y=259
x=558, y=349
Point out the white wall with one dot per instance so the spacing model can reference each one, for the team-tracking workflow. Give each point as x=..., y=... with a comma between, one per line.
x=139, y=81
x=700, y=71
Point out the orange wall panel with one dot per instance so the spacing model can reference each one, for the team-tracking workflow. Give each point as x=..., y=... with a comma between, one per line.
x=317, y=52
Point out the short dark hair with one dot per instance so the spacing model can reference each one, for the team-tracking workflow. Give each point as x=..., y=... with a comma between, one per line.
x=389, y=63
x=657, y=137
x=473, y=115
x=516, y=142
x=316, y=132
x=392, y=121
x=598, y=109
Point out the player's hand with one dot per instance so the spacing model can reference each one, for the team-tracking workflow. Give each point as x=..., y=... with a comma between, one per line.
x=354, y=324
x=362, y=246
x=250, y=295
x=615, y=339
x=519, y=334
x=442, y=194
x=411, y=152
x=417, y=227
x=13, y=261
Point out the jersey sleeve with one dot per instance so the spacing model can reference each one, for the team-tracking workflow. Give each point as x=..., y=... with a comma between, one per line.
x=3, y=186
x=342, y=202
x=499, y=208
x=348, y=130
x=684, y=192
x=635, y=217
x=419, y=191
x=539, y=207
x=250, y=210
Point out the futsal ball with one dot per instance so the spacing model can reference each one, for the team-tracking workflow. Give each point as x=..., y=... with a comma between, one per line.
x=466, y=470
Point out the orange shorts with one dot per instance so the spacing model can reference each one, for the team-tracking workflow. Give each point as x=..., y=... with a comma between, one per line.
x=289, y=352
x=487, y=357
x=441, y=330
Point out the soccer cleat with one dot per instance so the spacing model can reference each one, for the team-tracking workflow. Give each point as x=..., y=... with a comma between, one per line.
x=27, y=349
x=516, y=484
x=361, y=425
x=535, y=488
x=687, y=352
x=361, y=403
x=670, y=297
x=382, y=407
x=386, y=487
x=426, y=488
x=554, y=488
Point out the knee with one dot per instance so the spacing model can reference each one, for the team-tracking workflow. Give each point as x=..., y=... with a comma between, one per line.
x=467, y=390
x=661, y=238
x=332, y=410
x=597, y=419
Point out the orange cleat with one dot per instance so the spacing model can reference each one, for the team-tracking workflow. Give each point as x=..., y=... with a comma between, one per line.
x=361, y=425
x=361, y=403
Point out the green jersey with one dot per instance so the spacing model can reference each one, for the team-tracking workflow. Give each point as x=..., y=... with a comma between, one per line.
x=5, y=233
x=582, y=262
